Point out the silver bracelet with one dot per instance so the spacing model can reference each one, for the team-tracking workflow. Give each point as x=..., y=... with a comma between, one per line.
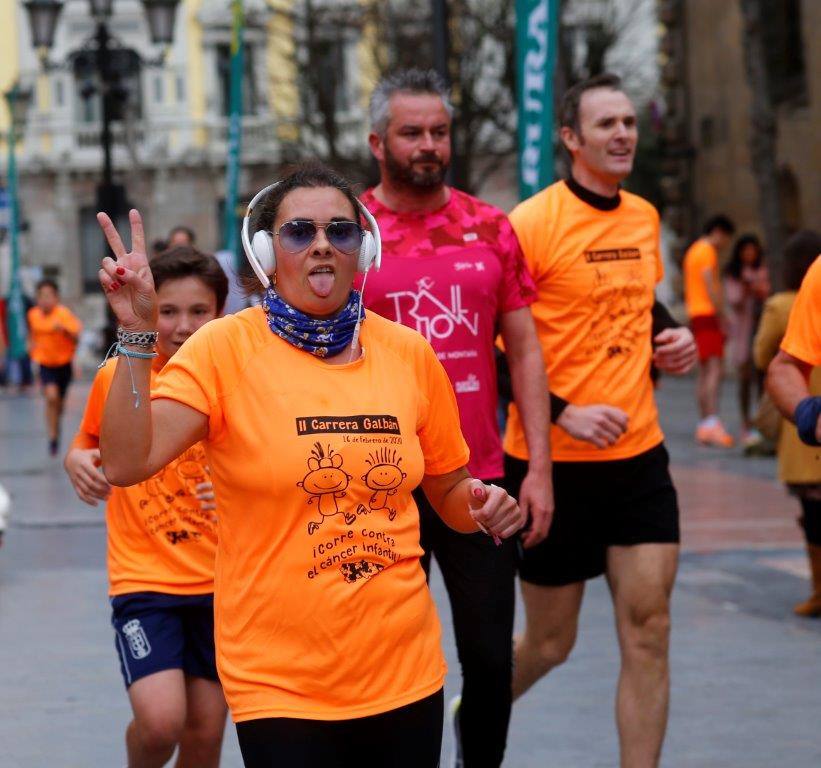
x=144, y=339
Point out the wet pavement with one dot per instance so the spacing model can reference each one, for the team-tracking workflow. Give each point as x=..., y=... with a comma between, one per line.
x=745, y=671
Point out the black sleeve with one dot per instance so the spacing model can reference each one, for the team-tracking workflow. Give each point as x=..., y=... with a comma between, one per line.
x=662, y=319
x=557, y=405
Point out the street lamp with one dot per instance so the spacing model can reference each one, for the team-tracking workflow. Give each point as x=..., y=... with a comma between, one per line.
x=18, y=101
x=103, y=59
x=43, y=16
x=160, y=15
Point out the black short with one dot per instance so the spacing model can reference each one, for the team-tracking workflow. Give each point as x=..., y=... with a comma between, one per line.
x=599, y=504
x=155, y=631
x=59, y=374
x=407, y=737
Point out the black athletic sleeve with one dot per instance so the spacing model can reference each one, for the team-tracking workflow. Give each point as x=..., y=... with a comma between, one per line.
x=557, y=405
x=662, y=319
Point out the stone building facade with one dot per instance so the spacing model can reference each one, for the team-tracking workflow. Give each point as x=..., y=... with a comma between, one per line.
x=706, y=127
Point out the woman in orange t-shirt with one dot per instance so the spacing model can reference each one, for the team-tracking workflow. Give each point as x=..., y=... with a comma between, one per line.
x=328, y=643
x=162, y=542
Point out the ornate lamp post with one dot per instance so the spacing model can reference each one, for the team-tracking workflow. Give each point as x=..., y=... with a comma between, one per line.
x=18, y=101
x=105, y=59
x=43, y=18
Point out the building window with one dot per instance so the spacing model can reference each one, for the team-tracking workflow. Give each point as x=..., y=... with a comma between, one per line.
x=784, y=50
x=159, y=91
x=332, y=76
x=250, y=102
x=180, y=85
x=93, y=246
x=127, y=96
x=59, y=93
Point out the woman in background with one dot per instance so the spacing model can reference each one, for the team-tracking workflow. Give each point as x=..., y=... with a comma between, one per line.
x=798, y=464
x=746, y=285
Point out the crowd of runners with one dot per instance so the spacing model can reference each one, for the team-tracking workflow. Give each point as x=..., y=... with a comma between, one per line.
x=277, y=480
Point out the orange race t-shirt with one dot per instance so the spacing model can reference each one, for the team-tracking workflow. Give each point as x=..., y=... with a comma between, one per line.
x=700, y=256
x=159, y=539
x=595, y=273
x=803, y=336
x=48, y=345
x=321, y=606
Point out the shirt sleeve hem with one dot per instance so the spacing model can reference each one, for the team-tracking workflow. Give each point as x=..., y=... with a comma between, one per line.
x=800, y=352
x=183, y=401
x=443, y=467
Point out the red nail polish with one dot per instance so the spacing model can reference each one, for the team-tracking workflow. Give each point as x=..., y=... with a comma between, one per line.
x=477, y=492
x=114, y=286
x=120, y=271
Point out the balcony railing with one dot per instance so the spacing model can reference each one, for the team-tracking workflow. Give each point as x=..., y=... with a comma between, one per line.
x=49, y=142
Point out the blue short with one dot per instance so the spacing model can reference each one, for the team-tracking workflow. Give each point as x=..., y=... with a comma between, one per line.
x=155, y=631
x=60, y=375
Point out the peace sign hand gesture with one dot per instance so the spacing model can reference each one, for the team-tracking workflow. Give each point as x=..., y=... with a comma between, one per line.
x=127, y=282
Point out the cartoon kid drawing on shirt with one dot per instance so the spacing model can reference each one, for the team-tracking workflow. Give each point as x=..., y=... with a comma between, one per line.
x=325, y=482
x=155, y=489
x=383, y=478
x=191, y=470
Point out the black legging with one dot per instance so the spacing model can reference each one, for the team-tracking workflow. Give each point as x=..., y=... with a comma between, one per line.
x=408, y=737
x=480, y=580
x=811, y=520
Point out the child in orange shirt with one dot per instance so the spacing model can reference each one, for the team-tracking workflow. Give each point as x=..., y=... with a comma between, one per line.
x=54, y=331
x=162, y=542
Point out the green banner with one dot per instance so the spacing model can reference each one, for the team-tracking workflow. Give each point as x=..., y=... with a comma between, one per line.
x=234, y=130
x=15, y=308
x=537, y=23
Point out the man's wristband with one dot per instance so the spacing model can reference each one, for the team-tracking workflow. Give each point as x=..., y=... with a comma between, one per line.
x=557, y=406
x=662, y=319
x=806, y=418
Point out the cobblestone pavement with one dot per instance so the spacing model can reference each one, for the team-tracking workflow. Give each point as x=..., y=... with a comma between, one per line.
x=744, y=669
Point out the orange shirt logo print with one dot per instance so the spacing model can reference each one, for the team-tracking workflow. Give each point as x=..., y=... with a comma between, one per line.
x=326, y=482
x=384, y=478
x=190, y=468
x=619, y=296
x=154, y=489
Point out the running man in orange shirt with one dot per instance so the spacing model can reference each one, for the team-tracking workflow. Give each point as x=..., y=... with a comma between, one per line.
x=54, y=331
x=162, y=542
x=593, y=250
x=705, y=306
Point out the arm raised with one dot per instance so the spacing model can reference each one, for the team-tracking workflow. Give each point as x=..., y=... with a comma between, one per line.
x=138, y=437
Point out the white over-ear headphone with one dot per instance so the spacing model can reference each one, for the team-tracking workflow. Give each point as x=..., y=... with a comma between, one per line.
x=260, y=248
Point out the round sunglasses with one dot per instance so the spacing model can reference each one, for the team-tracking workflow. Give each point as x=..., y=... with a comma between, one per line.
x=295, y=236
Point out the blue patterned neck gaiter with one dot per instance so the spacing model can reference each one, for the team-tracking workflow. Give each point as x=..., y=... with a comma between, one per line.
x=321, y=337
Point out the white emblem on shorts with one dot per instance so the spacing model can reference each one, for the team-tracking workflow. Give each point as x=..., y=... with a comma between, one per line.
x=137, y=641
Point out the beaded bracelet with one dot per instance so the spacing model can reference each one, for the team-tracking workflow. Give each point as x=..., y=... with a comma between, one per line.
x=121, y=350
x=117, y=349
x=145, y=339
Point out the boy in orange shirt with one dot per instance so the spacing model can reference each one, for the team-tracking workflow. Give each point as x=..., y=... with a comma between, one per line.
x=54, y=331
x=162, y=543
x=703, y=296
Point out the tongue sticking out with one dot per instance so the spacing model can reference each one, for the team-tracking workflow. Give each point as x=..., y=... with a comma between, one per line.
x=322, y=283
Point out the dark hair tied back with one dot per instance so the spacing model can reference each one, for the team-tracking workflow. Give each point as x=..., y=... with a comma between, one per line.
x=310, y=175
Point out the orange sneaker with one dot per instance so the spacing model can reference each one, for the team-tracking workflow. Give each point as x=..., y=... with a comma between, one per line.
x=714, y=435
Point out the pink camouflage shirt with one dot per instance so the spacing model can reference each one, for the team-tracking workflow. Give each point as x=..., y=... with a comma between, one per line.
x=450, y=274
